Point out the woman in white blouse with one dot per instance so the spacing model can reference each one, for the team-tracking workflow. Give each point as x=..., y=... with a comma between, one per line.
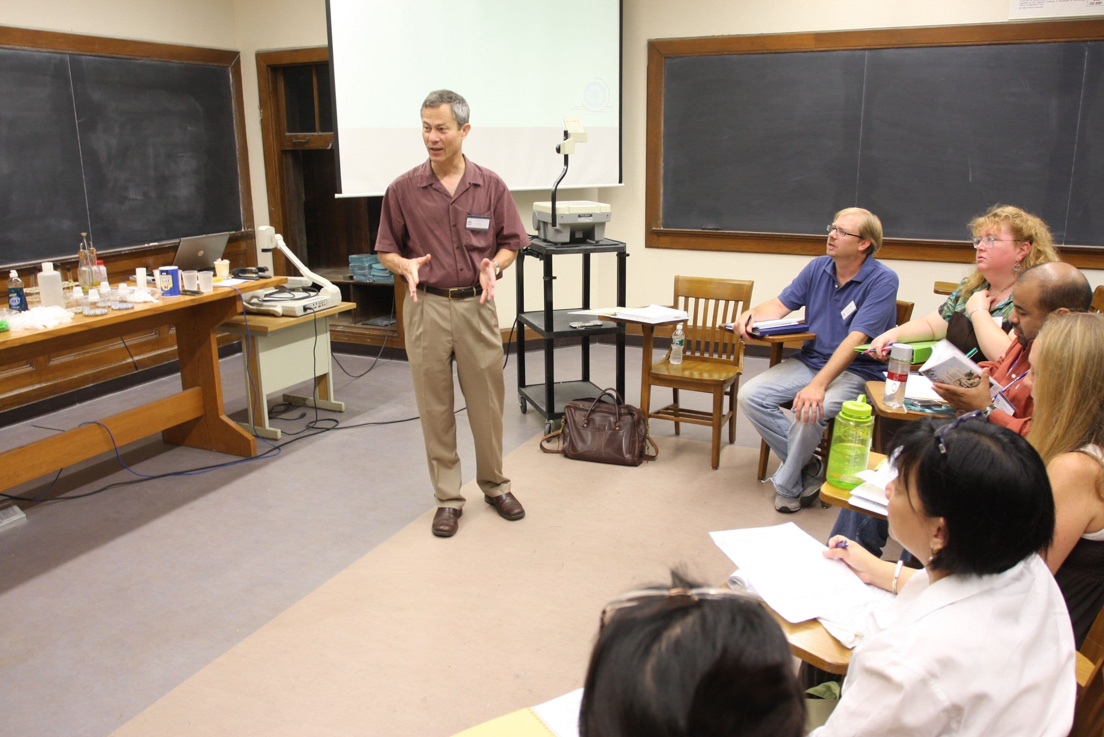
x=979, y=641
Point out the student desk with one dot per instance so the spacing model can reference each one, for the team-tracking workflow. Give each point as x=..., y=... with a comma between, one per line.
x=811, y=643
x=193, y=416
x=875, y=393
x=647, y=330
x=281, y=351
x=520, y=723
x=842, y=497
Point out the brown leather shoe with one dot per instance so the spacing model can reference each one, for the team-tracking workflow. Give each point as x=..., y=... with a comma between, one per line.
x=507, y=505
x=446, y=521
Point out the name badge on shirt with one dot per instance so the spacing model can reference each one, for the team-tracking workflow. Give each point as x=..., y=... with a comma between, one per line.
x=1003, y=404
x=479, y=222
x=849, y=310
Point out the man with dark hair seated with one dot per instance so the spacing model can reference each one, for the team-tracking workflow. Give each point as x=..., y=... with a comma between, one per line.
x=688, y=661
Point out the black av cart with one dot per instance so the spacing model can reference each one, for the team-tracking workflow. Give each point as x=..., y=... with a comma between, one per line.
x=549, y=397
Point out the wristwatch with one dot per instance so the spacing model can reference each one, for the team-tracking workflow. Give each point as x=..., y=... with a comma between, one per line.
x=988, y=411
x=498, y=269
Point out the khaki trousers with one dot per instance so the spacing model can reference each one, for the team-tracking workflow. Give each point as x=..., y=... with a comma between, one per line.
x=440, y=332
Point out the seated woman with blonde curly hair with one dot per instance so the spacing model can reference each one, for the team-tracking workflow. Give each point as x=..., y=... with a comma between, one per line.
x=1007, y=241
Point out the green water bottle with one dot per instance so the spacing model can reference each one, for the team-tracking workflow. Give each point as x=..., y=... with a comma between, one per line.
x=850, y=452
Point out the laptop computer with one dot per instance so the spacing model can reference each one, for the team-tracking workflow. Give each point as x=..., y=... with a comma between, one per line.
x=200, y=252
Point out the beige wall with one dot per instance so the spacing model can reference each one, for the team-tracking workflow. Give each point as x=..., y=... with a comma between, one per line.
x=252, y=25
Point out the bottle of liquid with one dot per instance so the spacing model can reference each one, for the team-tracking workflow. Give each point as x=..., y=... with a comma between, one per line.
x=900, y=358
x=17, y=298
x=850, y=451
x=75, y=303
x=84, y=264
x=99, y=274
x=49, y=286
x=678, y=342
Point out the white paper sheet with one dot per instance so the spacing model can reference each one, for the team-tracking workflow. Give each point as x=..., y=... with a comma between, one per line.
x=785, y=565
x=561, y=714
x=920, y=387
x=653, y=314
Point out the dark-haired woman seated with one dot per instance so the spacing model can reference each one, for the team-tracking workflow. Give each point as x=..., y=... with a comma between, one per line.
x=979, y=641
x=687, y=661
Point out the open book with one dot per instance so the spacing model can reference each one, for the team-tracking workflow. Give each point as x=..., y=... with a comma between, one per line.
x=948, y=365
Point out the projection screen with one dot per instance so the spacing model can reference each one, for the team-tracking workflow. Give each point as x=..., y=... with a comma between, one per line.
x=522, y=66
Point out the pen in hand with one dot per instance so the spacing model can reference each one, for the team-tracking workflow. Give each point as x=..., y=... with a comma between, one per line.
x=971, y=353
x=841, y=544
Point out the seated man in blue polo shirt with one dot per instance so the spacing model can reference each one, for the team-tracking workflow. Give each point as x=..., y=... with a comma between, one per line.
x=848, y=298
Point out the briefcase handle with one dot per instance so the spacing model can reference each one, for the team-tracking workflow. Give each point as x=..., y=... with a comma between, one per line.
x=617, y=402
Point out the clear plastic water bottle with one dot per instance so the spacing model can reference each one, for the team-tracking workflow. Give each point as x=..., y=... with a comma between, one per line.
x=900, y=358
x=84, y=264
x=17, y=298
x=678, y=342
x=851, y=437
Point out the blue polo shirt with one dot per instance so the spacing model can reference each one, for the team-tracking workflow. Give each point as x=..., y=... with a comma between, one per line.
x=867, y=303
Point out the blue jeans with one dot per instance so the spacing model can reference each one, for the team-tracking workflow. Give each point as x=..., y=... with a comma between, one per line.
x=870, y=532
x=794, y=442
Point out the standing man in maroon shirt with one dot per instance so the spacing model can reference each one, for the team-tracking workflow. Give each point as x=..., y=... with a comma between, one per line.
x=449, y=228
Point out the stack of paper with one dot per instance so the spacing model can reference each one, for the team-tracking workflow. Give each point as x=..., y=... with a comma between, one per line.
x=920, y=387
x=653, y=314
x=561, y=714
x=786, y=567
x=871, y=493
x=781, y=322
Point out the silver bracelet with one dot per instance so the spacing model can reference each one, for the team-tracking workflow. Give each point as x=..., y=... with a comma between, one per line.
x=896, y=575
x=970, y=314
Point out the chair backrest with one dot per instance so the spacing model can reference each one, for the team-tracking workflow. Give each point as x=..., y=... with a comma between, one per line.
x=1098, y=299
x=711, y=303
x=1093, y=646
x=944, y=287
x=904, y=311
x=1088, y=715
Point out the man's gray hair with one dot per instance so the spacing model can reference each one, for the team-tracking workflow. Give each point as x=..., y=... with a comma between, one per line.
x=459, y=105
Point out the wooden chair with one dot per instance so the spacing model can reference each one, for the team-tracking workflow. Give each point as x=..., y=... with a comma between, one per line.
x=1093, y=646
x=904, y=311
x=904, y=314
x=1088, y=714
x=1098, y=299
x=944, y=287
x=712, y=359
x=1088, y=718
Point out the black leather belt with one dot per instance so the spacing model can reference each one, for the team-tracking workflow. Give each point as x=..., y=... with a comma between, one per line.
x=453, y=292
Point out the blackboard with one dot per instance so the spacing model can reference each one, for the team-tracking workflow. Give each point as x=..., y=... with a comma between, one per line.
x=129, y=150
x=925, y=136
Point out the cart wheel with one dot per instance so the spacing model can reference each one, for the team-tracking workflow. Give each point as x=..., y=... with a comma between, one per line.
x=522, y=403
x=548, y=427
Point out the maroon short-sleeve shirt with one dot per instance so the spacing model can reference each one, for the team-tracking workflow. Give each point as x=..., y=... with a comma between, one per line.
x=460, y=230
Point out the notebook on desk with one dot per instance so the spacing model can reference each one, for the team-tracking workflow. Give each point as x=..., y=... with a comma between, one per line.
x=199, y=252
